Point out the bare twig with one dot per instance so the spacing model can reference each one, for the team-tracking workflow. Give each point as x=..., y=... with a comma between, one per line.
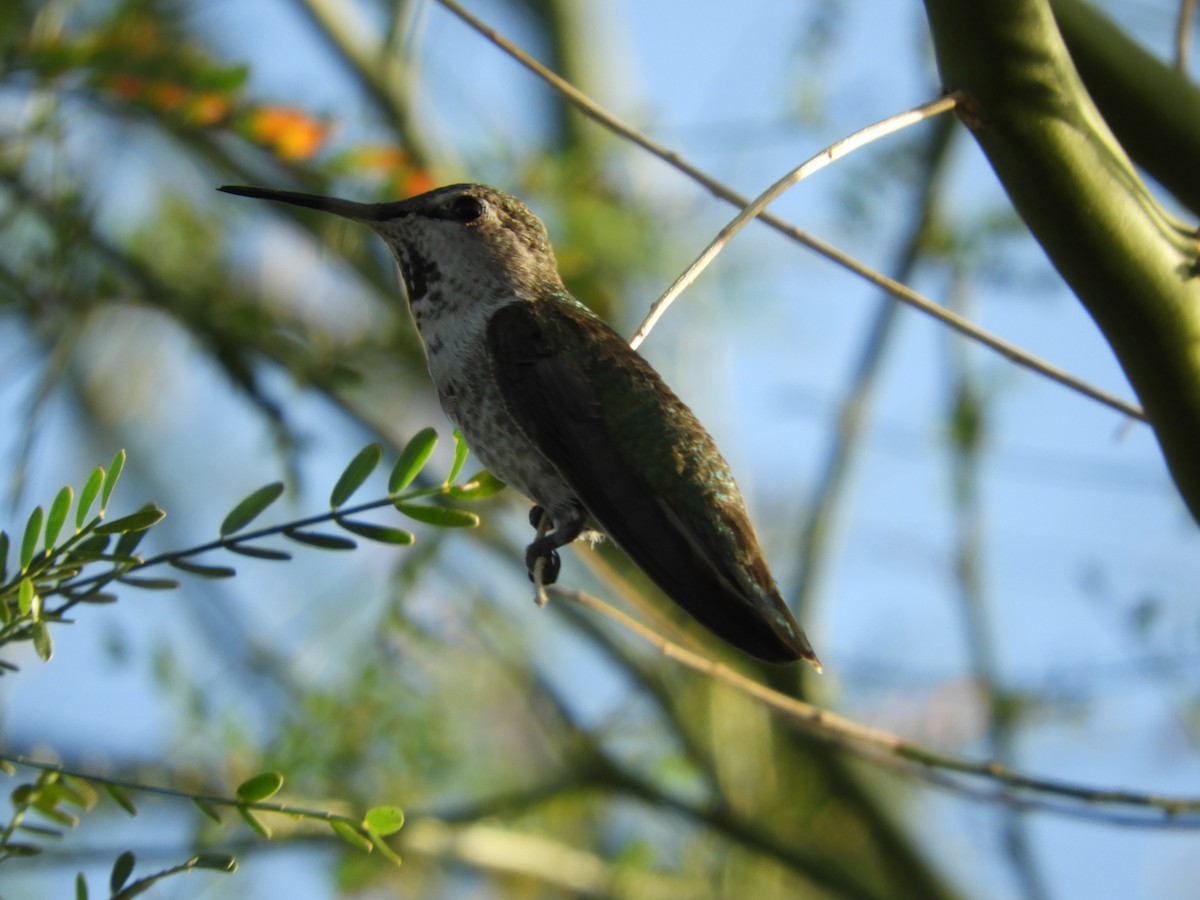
x=1183, y=33
x=539, y=567
x=814, y=164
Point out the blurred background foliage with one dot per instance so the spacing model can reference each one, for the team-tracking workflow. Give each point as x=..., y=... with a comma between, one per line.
x=547, y=754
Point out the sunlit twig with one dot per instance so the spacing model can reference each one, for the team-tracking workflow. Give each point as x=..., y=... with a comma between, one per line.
x=836, y=150
x=1183, y=33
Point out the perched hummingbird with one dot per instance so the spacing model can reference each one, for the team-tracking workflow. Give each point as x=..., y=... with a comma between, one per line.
x=555, y=403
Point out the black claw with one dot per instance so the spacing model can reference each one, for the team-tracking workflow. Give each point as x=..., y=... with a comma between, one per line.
x=550, y=571
x=535, y=515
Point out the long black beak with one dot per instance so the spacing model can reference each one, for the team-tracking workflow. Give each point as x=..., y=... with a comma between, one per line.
x=361, y=212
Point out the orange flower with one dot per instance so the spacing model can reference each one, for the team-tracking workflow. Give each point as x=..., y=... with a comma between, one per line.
x=416, y=181
x=293, y=134
x=207, y=109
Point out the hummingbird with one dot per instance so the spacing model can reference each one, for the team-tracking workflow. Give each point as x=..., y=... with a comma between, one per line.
x=555, y=403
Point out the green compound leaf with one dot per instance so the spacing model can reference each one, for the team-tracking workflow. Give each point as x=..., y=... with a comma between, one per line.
x=383, y=820
x=441, y=516
x=110, y=480
x=58, y=515
x=260, y=787
x=88, y=496
x=250, y=508
x=81, y=891
x=317, y=539
x=144, y=518
x=381, y=533
x=33, y=530
x=356, y=473
x=412, y=460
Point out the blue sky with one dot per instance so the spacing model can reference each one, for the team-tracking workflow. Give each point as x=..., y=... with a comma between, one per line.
x=1082, y=525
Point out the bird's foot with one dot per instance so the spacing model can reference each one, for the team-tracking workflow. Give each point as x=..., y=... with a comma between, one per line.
x=543, y=552
x=541, y=556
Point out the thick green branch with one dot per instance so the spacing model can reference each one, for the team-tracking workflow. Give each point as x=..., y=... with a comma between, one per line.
x=1072, y=183
x=1152, y=107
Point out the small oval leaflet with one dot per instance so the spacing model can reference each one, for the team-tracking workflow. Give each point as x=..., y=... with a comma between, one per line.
x=323, y=541
x=253, y=821
x=121, y=798
x=139, y=521
x=149, y=584
x=202, y=570
x=412, y=460
x=460, y=457
x=381, y=533
x=25, y=594
x=121, y=870
x=248, y=510
x=355, y=474
x=441, y=516
x=207, y=808
x=41, y=640
x=351, y=835
x=88, y=495
x=259, y=552
x=33, y=530
x=58, y=515
x=110, y=479
x=15, y=848
x=127, y=543
x=384, y=820
x=260, y=787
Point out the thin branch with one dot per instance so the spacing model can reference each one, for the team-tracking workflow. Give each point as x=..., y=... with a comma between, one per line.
x=283, y=809
x=814, y=164
x=864, y=739
x=592, y=109
x=1183, y=33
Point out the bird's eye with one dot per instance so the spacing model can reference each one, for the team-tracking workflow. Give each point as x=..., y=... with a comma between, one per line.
x=465, y=209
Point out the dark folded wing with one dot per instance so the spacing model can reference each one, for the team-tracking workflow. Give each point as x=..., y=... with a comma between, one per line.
x=611, y=426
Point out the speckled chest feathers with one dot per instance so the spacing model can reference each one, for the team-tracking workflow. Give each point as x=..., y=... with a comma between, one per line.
x=464, y=253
